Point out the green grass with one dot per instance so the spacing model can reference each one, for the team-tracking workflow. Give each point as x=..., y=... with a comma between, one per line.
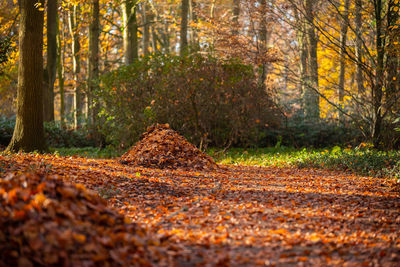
x=362, y=160
x=280, y=157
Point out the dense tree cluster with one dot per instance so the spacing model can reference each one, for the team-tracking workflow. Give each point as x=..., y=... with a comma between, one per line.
x=335, y=61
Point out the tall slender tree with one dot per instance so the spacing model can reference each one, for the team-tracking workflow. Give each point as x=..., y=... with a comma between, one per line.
x=130, y=29
x=29, y=131
x=311, y=97
x=51, y=62
x=194, y=40
x=184, y=26
x=235, y=16
x=93, y=61
x=263, y=43
x=358, y=48
x=146, y=27
x=344, y=18
x=60, y=70
x=76, y=62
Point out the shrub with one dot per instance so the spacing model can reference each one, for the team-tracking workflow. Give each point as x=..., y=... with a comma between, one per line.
x=55, y=135
x=298, y=133
x=6, y=129
x=209, y=100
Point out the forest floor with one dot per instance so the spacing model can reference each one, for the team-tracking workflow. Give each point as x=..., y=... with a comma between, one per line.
x=245, y=216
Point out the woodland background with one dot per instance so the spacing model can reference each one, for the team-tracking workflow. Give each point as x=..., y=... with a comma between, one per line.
x=223, y=73
x=296, y=101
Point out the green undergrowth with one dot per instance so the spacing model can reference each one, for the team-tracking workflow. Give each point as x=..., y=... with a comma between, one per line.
x=361, y=160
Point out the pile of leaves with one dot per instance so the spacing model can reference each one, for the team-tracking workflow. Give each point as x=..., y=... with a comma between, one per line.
x=45, y=221
x=161, y=147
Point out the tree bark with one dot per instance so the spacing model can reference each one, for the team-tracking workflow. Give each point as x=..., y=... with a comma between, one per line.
x=93, y=63
x=76, y=64
x=235, y=17
x=303, y=51
x=358, y=48
x=343, y=39
x=263, y=45
x=28, y=133
x=194, y=39
x=212, y=15
x=146, y=28
x=60, y=71
x=377, y=89
x=165, y=36
x=154, y=36
x=130, y=39
x=184, y=27
x=311, y=96
x=51, y=64
x=392, y=57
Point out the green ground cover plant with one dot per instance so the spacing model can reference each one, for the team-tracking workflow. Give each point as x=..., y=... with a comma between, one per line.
x=361, y=160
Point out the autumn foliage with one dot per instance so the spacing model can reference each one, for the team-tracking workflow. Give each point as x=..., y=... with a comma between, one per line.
x=162, y=147
x=234, y=216
x=45, y=221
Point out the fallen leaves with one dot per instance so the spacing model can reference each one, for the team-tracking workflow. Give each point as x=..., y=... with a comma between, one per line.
x=231, y=216
x=162, y=147
x=46, y=221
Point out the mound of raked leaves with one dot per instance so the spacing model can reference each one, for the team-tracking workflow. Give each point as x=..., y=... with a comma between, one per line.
x=161, y=147
x=45, y=221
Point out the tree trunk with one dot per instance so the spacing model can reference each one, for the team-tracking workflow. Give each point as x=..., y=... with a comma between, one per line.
x=235, y=17
x=52, y=26
x=392, y=55
x=76, y=64
x=358, y=48
x=60, y=71
x=311, y=96
x=212, y=14
x=28, y=134
x=154, y=36
x=130, y=39
x=184, y=27
x=343, y=39
x=377, y=89
x=263, y=45
x=194, y=40
x=303, y=51
x=165, y=36
x=146, y=28
x=93, y=63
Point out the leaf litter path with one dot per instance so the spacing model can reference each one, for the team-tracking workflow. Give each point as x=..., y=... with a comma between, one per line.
x=246, y=216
